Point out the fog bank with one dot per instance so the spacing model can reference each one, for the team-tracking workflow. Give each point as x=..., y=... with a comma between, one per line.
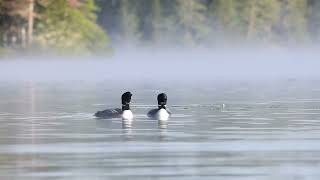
x=166, y=66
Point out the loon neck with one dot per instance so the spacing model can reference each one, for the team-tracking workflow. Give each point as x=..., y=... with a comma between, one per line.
x=125, y=107
x=162, y=107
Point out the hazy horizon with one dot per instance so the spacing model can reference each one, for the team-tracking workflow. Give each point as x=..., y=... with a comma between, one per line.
x=186, y=66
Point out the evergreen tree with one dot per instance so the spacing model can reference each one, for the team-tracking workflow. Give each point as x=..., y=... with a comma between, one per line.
x=164, y=26
x=261, y=17
x=13, y=22
x=292, y=26
x=71, y=25
x=157, y=20
x=62, y=25
x=191, y=21
x=314, y=20
x=129, y=21
x=223, y=12
x=223, y=20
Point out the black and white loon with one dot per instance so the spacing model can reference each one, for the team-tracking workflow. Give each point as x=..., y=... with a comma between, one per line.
x=124, y=113
x=161, y=113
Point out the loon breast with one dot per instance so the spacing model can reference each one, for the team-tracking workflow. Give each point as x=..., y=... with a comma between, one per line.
x=127, y=115
x=162, y=115
x=159, y=114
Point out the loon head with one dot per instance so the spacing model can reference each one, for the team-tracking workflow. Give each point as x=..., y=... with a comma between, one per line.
x=162, y=101
x=125, y=100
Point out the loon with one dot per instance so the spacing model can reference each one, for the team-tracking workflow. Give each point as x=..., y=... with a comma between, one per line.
x=161, y=113
x=124, y=113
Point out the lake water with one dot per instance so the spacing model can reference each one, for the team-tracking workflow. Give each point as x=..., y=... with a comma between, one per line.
x=228, y=131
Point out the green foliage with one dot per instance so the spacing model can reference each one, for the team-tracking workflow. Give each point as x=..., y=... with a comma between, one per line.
x=1, y=27
x=71, y=30
x=129, y=21
x=266, y=21
x=196, y=22
x=261, y=16
x=224, y=20
x=157, y=20
x=191, y=21
x=223, y=13
x=314, y=19
x=61, y=26
x=84, y=26
x=293, y=23
x=1, y=6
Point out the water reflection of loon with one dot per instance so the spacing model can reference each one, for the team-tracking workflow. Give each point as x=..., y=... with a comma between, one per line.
x=161, y=113
x=124, y=113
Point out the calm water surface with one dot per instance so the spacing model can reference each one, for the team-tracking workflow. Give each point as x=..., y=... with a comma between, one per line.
x=264, y=131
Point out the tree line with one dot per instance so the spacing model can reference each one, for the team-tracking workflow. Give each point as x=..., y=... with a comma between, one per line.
x=211, y=22
x=93, y=26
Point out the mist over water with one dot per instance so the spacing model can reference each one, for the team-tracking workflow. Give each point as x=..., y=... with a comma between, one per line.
x=236, y=114
x=166, y=66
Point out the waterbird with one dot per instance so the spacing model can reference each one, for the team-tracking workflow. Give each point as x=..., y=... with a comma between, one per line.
x=161, y=113
x=125, y=113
